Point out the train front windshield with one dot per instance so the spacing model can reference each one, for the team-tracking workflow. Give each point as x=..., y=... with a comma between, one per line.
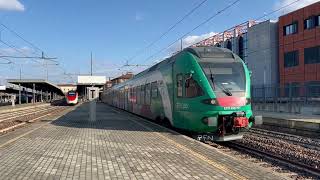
x=71, y=94
x=226, y=78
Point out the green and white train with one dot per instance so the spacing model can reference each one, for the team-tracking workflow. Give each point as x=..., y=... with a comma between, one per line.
x=204, y=90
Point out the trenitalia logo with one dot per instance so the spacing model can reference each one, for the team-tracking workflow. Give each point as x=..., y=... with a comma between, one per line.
x=231, y=108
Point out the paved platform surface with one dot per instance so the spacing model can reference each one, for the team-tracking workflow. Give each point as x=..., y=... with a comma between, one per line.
x=117, y=145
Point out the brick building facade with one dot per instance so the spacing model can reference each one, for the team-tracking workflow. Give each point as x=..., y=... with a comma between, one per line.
x=299, y=46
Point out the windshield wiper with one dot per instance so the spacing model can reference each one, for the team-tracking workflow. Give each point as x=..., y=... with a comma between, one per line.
x=225, y=90
x=222, y=87
x=212, y=78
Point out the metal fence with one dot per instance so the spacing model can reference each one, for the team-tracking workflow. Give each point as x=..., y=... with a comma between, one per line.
x=293, y=98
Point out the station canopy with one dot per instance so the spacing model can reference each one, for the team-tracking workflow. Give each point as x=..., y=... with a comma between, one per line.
x=40, y=84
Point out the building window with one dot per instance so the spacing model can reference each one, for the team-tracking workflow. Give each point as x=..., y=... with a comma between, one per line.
x=290, y=29
x=291, y=59
x=313, y=89
x=317, y=20
x=312, y=55
x=310, y=23
x=179, y=85
x=192, y=88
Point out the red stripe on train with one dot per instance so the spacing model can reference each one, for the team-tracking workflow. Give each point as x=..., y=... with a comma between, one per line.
x=71, y=98
x=231, y=101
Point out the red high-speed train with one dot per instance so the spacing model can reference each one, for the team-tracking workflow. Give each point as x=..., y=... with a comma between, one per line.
x=72, y=97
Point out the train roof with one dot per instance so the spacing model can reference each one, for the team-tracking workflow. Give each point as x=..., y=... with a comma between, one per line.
x=210, y=52
x=201, y=52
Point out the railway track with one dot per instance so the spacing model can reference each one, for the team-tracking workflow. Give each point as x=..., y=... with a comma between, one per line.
x=24, y=113
x=292, y=153
x=311, y=143
x=276, y=158
x=16, y=118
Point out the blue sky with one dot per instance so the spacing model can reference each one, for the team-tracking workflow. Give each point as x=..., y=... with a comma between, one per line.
x=113, y=30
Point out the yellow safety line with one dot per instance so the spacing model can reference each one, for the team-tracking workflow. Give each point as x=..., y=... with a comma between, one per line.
x=209, y=161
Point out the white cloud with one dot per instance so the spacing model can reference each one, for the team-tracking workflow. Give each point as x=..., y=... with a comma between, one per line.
x=11, y=5
x=294, y=6
x=190, y=40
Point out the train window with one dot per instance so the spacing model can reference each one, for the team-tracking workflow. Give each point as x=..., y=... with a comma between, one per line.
x=192, y=88
x=142, y=94
x=133, y=97
x=179, y=85
x=138, y=94
x=154, y=90
x=148, y=93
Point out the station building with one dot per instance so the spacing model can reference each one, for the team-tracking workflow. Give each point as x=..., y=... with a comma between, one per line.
x=118, y=80
x=262, y=54
x=90, y=87
x=299, y=46
x=67, y=87
x=257, y=44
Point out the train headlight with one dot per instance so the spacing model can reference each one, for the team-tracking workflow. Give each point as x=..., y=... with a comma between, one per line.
x=210, y=101
x=210, y=121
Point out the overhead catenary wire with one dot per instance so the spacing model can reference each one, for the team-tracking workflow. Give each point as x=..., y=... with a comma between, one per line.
x=256, y=19
x=276, y=10
x=265, y=15
x=196, y=27
x=16, y=49
x=34, y=47
x=18, y=35
x=167, y=31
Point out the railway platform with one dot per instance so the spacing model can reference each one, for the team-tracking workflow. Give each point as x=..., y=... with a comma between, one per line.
x=112, y=144
x=297, y=123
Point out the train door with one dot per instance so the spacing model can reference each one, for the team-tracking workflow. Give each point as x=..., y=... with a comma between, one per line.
x=187, y=93
x=126, y=96
x=178, y=92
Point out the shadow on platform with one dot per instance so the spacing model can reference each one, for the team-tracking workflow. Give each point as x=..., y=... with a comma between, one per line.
x=106, y=118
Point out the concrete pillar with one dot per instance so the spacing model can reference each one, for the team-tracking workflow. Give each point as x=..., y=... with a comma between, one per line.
x=34, y=93
x=13, y=100
x=19, y=93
